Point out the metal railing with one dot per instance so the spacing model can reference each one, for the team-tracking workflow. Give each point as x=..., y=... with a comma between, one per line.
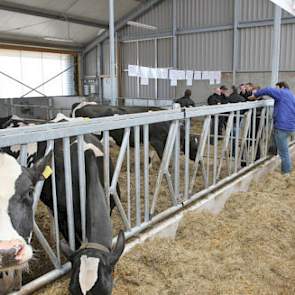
x=150, y=194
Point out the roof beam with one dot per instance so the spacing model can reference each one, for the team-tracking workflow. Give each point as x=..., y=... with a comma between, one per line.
x=29, y=10
x=135, y=13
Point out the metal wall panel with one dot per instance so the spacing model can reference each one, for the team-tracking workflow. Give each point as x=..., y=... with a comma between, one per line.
x=255, y=49
x=206, y=51
x=147, y=53
x=256, y=10
x=160, y=16
x=128, y=86
x=287, y=58
x=203, y=13
x=128, y=54
x=165, y=53
x=165, y=61
x=91, y=63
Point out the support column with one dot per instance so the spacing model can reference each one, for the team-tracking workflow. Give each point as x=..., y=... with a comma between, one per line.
x=112, y=51
x=276, y=44
x=237, y=5
x=174, y=40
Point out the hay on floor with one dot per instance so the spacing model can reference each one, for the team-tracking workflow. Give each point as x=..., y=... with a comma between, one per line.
x=249, y=248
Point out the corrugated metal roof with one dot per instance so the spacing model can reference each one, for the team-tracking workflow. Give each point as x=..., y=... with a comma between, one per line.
x=17, y=25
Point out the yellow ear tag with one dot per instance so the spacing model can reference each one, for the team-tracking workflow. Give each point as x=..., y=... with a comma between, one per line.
x=87, y=119
x=47, y=172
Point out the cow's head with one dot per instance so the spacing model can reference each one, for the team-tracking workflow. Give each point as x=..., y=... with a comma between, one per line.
x=16, y=209
x=92, y=269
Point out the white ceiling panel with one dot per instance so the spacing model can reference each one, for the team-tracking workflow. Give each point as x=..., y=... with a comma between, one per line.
x=17, y=25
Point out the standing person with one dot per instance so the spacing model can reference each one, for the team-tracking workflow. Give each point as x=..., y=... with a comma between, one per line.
x=242, y=88
x=249, y=87
x=224, y=94
x=283, y=118
x=215, y=98
x=235, y=97
x=186, y=100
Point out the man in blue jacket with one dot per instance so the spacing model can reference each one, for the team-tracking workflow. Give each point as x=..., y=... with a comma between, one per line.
x=283, y=118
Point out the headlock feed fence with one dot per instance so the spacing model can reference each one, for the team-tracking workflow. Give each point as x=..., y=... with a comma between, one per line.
x=150, y=192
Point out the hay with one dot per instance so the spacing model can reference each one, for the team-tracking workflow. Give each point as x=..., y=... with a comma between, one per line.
x=249, y=248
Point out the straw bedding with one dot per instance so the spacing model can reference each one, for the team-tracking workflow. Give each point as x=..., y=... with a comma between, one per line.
x=249, y=248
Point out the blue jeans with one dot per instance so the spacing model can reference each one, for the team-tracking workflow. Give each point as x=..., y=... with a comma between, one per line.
x=282, y=141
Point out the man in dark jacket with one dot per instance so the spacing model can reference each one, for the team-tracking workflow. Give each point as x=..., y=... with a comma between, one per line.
x=186, y=100
x=215, y=98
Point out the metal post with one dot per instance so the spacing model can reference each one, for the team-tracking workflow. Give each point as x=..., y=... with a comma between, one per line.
x=215, y=148
x=69, y=192
x=237, y=138
x=236, y=38
x=186, y=163
x=106, y=164
x=276, y=42
x=112, y=50
x=156, y=65
x=137, y=63
x=254, y=115
x=100, y=49
x=146, y=173
x=174, y=40
x=82, y=185
x=176, y=162
x=137, y=174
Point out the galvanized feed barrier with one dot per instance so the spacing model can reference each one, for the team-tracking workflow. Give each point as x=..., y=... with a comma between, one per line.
x=218, y=160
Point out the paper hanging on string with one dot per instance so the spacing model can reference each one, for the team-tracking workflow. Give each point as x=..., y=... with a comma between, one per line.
x=217, y=77
x=205, y=75
x=144, y=72
x=189, y=82
x=211, y=77
x=189, y=75
x=144, y=81
x=173, y=82
x=133, y=71
x=198, y=75
x=162, y=73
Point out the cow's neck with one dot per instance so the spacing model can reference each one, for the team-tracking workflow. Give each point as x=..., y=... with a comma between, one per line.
x=99, y=228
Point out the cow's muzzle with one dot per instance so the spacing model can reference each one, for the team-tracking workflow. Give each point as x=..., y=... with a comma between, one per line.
x=14, y=256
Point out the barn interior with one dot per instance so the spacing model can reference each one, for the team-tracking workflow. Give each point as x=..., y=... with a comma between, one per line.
x=133, y=59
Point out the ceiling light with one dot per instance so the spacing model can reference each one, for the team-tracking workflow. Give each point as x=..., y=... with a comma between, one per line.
x=58, y=39
x=140, y=25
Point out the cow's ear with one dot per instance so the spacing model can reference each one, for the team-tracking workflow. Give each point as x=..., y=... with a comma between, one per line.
x=119, y=248
x=42, y=169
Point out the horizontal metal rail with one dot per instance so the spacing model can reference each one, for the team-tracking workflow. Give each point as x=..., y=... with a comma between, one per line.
x=51, y=131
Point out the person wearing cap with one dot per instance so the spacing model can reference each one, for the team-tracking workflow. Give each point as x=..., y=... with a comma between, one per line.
x=283, y=120
x=186, y=100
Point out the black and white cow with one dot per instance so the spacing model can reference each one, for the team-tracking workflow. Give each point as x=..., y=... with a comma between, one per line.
x=16, y=209
x=158, y=132
x=4, y=122
x=15, y=122
x=93, y=263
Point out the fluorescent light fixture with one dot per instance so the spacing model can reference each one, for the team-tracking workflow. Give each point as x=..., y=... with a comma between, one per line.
x=58, y=39
x=140, y=25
